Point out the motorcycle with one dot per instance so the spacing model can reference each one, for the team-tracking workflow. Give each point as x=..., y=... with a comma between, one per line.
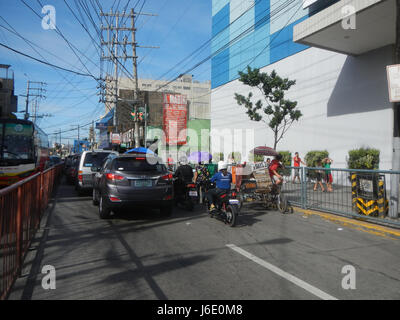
x=227, y=206
x=185, y=194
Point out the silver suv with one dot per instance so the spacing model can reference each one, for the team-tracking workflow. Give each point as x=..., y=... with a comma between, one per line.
x=89, y=159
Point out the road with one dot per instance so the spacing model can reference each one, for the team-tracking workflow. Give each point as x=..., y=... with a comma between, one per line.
x=190, y=256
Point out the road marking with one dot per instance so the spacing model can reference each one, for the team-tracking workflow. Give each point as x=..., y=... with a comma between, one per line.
x=308, y=287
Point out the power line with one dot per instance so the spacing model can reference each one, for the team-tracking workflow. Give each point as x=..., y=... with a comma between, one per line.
x=46, y=63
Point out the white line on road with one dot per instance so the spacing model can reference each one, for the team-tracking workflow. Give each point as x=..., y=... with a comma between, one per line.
x=315, y=291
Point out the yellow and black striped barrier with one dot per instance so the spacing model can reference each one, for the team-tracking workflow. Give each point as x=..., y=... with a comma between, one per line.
x=377, y=206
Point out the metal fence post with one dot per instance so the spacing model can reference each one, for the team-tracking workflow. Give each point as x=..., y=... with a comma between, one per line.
x=304, y=189
x=19, y=235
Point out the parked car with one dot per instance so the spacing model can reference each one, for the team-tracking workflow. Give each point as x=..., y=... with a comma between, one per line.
x=72, y=169
x=89, y=159
x=132, y=180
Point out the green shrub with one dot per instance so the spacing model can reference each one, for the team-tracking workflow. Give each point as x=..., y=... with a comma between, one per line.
x=255, y=158
x=236, y=156
x=217, y=156
x=363, y=158
x=287, y=161
x=313, y=157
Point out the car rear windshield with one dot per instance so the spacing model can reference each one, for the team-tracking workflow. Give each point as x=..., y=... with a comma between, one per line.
x=137, y=165
x=95, y=159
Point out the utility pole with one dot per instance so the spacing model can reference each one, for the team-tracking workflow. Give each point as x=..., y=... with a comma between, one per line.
x=136, y=92
x=395, y=179
x=112, y=46
x=79, y=141
x=38, y=94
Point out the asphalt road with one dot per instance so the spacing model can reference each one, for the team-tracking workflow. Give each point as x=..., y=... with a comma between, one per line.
x=142, y=255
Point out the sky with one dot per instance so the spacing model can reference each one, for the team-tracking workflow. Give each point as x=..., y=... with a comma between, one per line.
x=178, y=28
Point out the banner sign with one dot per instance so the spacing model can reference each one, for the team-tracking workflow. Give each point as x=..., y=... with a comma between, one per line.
x=115, y=138
x=174, y=118
x=101, y=125
x=393, y=75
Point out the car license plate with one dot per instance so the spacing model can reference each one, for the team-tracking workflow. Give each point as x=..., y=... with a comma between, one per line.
x=233, y=201
x=143, y=183
x=193, y=193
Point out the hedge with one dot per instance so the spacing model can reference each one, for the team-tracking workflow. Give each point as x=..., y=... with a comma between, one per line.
x=363, y=158
x=313, y=157
x=287, y=161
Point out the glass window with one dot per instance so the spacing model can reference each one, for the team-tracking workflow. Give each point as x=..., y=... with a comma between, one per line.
x=95, y=159
x=18, y=141
x=135, y=165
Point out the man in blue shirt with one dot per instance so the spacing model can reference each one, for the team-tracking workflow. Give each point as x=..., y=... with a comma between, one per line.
x=223, y=180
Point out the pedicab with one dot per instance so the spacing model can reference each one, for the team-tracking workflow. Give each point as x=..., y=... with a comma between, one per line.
x=256, y=186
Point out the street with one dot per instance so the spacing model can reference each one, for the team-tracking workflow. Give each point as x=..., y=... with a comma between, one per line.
x=141, y=255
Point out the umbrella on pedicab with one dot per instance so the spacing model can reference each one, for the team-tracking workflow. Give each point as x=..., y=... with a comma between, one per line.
x=200, y=156
x=264, y=151
x=140, y=150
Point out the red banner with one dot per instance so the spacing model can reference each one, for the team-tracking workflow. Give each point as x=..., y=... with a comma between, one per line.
x=175, y=118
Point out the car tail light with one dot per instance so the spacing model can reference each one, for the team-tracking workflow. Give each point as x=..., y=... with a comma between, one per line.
x=169, y=197
x=80, y=175
x=191, y=185
x=112, y=176
x=234, y=194
x=115, y=199
x=140, y=158
x=167, y=177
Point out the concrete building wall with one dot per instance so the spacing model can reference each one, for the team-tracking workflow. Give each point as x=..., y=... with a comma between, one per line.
x=197, y=93
x=344, y=101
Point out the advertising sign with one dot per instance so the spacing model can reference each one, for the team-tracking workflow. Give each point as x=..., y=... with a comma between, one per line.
x=174, y=118
x=115, y=138
x=393, y=75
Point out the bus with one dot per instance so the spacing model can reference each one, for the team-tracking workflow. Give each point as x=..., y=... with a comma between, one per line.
x=24, y=150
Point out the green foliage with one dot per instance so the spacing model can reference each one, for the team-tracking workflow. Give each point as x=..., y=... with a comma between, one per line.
x=313, y=157
x=236, y=156
x=217, y=156
x=279, y=112
x=287, y=161
x=363, y=158
x=255, y=158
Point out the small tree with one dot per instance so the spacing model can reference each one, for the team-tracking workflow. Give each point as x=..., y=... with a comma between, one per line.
x=280, y=112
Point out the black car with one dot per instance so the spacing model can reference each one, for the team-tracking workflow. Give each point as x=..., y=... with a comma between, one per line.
x=130, y=180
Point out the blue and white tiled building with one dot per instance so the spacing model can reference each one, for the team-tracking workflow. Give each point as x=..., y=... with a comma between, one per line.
x=341, y=84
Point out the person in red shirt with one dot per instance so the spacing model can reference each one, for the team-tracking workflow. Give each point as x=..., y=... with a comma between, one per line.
x=297, y=161
x=273, y=170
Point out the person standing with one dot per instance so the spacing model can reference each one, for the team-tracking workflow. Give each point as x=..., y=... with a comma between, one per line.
x=318, y=176
x=328, y=173
x=297, y=162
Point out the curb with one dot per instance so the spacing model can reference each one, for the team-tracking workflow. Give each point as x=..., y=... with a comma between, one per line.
x=348, y=222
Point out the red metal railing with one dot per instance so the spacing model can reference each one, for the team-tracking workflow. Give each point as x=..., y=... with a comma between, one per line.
x=21, y=208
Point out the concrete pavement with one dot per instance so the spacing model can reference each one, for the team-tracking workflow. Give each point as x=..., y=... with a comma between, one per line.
x=142, y=255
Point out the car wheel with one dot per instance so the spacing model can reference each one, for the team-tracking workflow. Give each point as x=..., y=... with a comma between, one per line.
x=104, y=211
x=166, y=211
x=95, y=199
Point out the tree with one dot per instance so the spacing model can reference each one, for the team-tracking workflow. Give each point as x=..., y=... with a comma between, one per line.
x=280, y=112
